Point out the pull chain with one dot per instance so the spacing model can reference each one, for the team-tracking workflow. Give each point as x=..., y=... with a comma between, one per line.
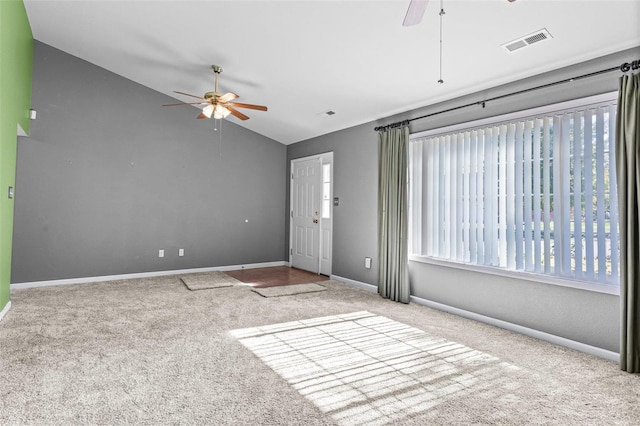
x=220, y=140
x=441, y=15
x=215, y=129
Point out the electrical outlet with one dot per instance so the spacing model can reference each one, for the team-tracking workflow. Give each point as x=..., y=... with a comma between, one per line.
x=367, y=262
x=161, y=253
x=180, y=252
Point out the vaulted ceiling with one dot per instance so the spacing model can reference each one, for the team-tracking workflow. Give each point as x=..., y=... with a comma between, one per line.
x=304, y=58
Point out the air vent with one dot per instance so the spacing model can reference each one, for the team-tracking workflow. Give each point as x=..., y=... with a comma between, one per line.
x=515, y=45
x=527, y=40
x=535, y=38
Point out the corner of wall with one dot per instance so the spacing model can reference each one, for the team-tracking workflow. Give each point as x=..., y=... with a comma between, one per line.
x=16, y=67
x=4, y=310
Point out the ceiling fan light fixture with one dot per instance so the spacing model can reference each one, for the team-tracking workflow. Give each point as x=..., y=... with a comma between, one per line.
x=208, y=110
x=219, y=105
x=220, y=112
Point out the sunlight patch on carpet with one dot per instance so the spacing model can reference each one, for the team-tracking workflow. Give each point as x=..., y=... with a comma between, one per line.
x=366, y=369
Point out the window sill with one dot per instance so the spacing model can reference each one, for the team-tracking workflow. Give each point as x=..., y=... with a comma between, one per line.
x=543, y=279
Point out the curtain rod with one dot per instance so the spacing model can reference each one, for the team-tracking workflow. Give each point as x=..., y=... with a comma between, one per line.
x=627, y=66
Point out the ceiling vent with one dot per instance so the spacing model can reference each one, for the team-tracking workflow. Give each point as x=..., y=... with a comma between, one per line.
x=527, y=40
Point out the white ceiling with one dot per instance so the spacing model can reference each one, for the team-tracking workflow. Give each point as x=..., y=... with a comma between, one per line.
x=303, y=58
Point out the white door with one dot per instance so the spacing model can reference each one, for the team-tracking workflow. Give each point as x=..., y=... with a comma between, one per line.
x=311, y=213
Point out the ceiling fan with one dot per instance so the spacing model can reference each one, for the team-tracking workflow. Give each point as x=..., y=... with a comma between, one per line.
x=218, y=105
x=416, y=11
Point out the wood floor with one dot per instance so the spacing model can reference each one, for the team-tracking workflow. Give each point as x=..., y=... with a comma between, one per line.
x=275, y=276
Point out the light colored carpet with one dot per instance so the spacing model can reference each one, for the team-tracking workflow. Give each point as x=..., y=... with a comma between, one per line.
x=203, y=281
x=149, y=352
x=289, y=290
x=363, y=368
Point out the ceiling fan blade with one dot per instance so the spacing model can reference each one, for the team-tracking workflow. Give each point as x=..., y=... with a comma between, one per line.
x=186, y=103
x=187, y=94
x=227, y=97
x=415, y=12
x=237, y=113
x=201, y=116
x=249, y=106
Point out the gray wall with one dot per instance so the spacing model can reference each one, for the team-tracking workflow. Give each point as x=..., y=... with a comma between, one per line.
x=587, y=317
x=108, y=176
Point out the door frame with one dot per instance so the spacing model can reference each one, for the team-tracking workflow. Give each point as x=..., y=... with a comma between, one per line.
x=325, y=157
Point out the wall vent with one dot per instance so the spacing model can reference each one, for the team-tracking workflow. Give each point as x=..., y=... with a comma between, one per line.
x=527, y=40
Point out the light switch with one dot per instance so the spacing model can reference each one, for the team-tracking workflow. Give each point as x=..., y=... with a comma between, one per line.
x=11, y=192
x=367, y=262
x=336, y=201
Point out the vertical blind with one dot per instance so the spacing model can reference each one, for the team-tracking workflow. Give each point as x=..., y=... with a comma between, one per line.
x=534, y=194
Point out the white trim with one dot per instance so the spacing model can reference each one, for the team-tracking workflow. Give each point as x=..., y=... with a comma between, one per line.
x=20, y=131
x=595, y=99
x=324, y=158
x=354, y=283
x=19, y=286
x=520, y=275
x=551, y=338
x=5, y=310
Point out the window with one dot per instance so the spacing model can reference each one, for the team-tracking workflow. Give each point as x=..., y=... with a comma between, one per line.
x=533, y=191
x=326, y=190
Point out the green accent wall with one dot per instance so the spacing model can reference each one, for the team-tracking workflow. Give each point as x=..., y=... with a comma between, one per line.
x=16, y=67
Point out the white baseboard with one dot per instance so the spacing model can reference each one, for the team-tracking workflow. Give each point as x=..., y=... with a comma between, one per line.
x=359, y=284
x=5, y=310
x=551, y=338
x=19, y=286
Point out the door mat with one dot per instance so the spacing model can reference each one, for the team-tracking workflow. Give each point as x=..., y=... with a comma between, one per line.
x=215, y=279
x=289, y=290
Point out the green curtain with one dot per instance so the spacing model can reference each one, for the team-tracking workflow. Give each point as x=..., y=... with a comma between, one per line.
x=393, y=275
x=628, y=174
